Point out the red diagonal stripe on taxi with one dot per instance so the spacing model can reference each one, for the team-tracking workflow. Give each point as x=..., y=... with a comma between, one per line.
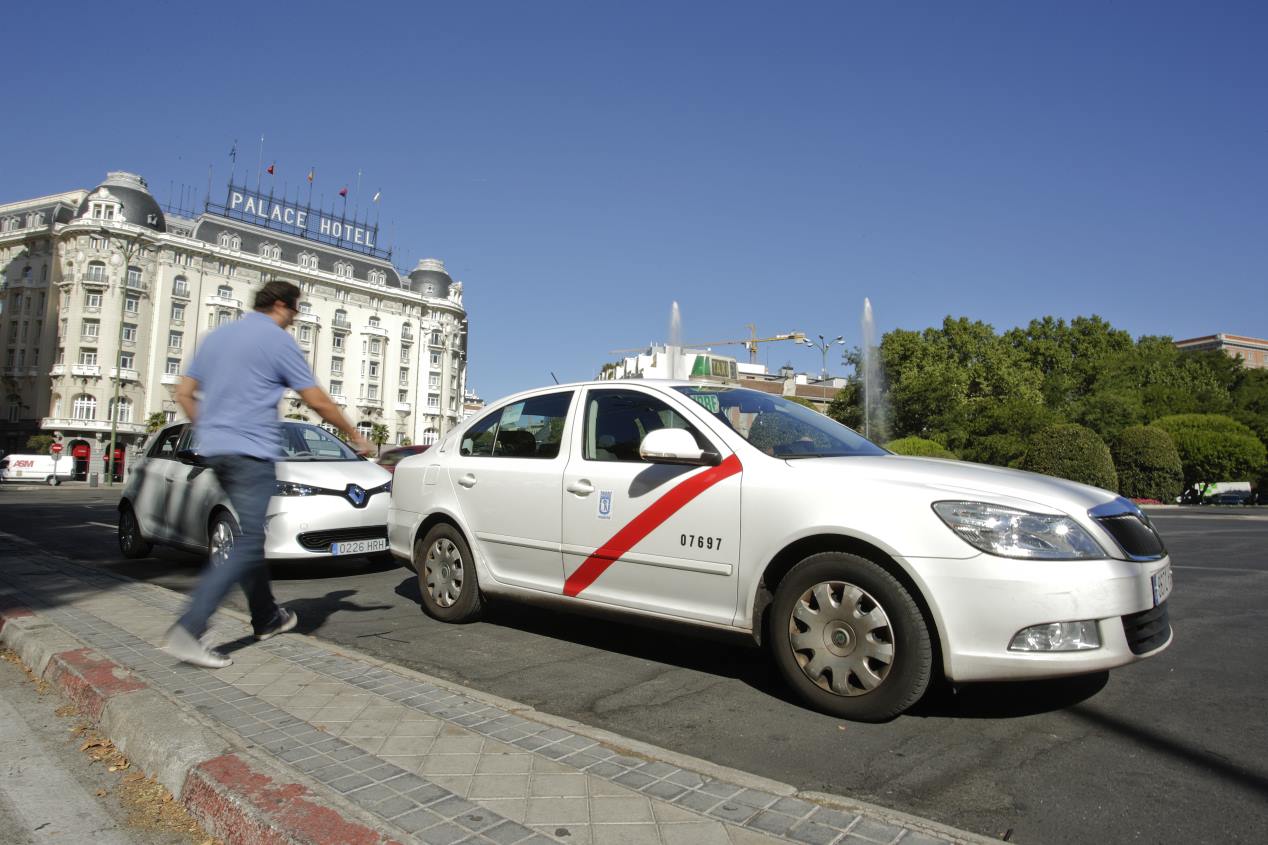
x=646, y=522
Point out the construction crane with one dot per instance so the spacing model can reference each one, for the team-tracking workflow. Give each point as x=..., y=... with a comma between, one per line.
x=749, y=343
x=752, y=341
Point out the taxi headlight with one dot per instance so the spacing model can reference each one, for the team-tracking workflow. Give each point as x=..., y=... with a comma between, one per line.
x=1009, y=532
x=290, y=488
x=1058, y=636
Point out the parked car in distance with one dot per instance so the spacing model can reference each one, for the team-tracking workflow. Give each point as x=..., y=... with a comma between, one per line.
x=329, y=501
x=389, y=459
x=1230, y=497
x=44, y=469
x=867, y=574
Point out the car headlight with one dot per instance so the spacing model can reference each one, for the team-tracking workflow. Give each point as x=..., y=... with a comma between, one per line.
x=1009, y=532
x=290, y=488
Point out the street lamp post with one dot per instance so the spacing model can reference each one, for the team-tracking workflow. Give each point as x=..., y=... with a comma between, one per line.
x=823, y=346
x=129, y=250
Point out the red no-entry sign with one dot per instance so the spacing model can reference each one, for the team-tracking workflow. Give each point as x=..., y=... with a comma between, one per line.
x=56, y=448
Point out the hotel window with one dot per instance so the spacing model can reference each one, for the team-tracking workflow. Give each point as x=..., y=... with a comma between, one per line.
x=374, y=321
x=173, y=367
x=91, y=328
x=404, y=376
x=134, y=277
x=178, y=312
x=84, y=407
x=92, y=300
x=127, y=360
x=374, y=369
x=96, y=271
x=336, y=341
x=88, y=357
x=272, y=251
x=124, y=410
x=433, y=401
x=129, y=333
x=305, y=334
x=61, y=355
x=405, y=350
x=180, y=286
x=305, y=308
x=97, y=242
x=131, y=304
x=435, y=338
x=372, y=391
x=336, y=366
x=433, y=381
x=224, y=268
x=175, y=340
x=169, y=416
x=435, y=359
x=9, y=358
x=376, y=346
x=224, y=292
x=308, y=261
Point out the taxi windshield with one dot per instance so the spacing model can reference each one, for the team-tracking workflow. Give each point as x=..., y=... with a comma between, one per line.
x=302, y=442
x=780, y=428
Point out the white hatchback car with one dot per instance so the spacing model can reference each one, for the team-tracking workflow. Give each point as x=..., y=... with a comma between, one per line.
x=329, y=501
x=863, y=571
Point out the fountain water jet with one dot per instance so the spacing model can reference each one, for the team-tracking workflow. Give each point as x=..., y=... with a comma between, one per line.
x=673, y=349
x=870, y=380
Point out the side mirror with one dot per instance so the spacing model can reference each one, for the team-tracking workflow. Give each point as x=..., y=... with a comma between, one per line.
x=189, y=456
x=675, y=446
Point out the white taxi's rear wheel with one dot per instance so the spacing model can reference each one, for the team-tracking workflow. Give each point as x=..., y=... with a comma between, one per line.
x=849, y=638
x=131, y=543
x=446, y=575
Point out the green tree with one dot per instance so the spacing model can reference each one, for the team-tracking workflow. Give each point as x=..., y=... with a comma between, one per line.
x=1071, y=451
x=919, y=447
x=1214, y=447
x=39, y=443
x=1148, y=464
x=378, y=436
x=155, y=421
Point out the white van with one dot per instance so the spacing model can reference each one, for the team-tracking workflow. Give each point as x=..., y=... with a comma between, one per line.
x=37, y=468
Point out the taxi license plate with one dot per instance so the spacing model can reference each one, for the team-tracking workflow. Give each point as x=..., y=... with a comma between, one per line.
x=1161, y=583
x=358, y=547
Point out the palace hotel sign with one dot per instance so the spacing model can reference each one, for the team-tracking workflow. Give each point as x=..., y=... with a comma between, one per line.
x=302, y=220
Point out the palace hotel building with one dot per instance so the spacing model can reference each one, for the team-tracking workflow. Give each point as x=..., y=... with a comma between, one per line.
x=101, y=292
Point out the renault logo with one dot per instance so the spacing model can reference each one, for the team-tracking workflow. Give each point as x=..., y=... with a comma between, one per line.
x=356, y=495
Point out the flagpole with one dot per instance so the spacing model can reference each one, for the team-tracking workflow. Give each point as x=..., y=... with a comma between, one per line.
x=312, y=172
x=259, y=164
x=233, y=158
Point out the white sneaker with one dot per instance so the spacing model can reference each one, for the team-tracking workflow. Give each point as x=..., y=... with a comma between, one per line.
x=284, y=620
x=188, y=649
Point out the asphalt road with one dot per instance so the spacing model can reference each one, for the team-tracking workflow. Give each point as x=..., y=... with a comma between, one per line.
x=1168, y=750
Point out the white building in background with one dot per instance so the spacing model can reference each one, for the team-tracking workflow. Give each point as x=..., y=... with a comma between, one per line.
x=102, y=292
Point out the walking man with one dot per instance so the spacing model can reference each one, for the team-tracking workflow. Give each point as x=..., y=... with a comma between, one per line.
x=241, y=370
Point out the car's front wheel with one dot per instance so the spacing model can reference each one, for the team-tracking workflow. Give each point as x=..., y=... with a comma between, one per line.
x=131, y=542
x=446, y=575
x=849, y=638
x=220, y=538
x=52, y=481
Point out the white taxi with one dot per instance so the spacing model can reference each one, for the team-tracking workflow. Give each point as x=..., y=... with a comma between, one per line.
x=864, y=572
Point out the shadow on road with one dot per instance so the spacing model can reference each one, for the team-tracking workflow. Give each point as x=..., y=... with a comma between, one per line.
x=313, y=612
x=1008, y=699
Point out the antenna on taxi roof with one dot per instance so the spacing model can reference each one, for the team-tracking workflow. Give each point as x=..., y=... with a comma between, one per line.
x=552, y=375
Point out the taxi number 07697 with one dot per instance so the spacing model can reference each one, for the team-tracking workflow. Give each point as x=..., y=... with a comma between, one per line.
x=699, y=541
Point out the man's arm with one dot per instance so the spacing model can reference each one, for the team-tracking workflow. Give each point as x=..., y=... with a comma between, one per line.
x=320, y=401
x=185, y=396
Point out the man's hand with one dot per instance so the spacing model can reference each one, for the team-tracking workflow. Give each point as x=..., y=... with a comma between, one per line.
x=360, y=445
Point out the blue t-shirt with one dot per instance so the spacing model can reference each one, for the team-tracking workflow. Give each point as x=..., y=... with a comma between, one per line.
x=242, y=369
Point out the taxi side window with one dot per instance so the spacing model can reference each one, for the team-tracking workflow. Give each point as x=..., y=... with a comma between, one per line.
x=532, y=428
x=618, y=420
x=165, y=444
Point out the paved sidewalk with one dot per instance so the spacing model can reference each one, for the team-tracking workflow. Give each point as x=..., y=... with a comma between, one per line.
x=417, y=759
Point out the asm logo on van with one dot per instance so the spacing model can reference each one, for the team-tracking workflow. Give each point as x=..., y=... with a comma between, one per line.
x=652, y=517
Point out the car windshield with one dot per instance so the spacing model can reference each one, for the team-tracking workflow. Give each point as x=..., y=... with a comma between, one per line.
x=303, y=442
x=780, y=428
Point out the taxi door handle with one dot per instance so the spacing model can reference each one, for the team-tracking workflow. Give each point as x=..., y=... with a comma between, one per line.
x=581, y=487
x=467, y=480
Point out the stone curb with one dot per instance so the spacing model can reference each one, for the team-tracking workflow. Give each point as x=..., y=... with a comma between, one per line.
x=236, y=794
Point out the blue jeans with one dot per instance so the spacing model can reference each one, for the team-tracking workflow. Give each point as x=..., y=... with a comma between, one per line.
x=249, y=483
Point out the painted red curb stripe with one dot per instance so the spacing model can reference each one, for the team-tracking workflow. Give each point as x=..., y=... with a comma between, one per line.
x=652, y=517
x=241, y=805
x=88, y=681
x=9, y=612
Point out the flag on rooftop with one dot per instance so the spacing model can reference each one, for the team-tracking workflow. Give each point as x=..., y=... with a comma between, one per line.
x=271, y=166
x=312, y=173
x=377, y=194
x=343, y=192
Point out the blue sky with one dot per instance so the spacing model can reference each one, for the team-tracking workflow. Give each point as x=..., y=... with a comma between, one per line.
x=580, y=166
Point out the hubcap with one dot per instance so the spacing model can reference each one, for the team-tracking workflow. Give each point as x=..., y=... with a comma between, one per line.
x=221, y=543
x=442, y=572
x=842, y=638
x=127, y=530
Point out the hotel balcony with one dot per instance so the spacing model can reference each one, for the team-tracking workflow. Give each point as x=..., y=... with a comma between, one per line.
x=170, y=378
x=374, y=330
x=65, y=424
x=305, y=317
x=366, y=402
x=85, y=370
x=403, y=407
x=58, y=370
x=338, y=399
x=341, y=324
x=219, y=301
x=127, y=373
x=94, y=280
x=180, y=291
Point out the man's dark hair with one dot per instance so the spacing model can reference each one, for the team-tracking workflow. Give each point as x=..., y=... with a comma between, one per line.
x=277, y=291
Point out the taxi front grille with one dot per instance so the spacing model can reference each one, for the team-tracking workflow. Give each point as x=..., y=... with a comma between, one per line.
x=319, y=541
x=1135, y=535
x=1148, y=629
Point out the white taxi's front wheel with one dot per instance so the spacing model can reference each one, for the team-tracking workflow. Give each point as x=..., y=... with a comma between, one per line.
x=446, y=575
x=849, y=638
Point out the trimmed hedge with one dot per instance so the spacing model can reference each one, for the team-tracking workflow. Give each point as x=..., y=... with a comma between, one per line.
x=919, y=447
x=1148, y=464
x=1214, y=447
x=1071, y=451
